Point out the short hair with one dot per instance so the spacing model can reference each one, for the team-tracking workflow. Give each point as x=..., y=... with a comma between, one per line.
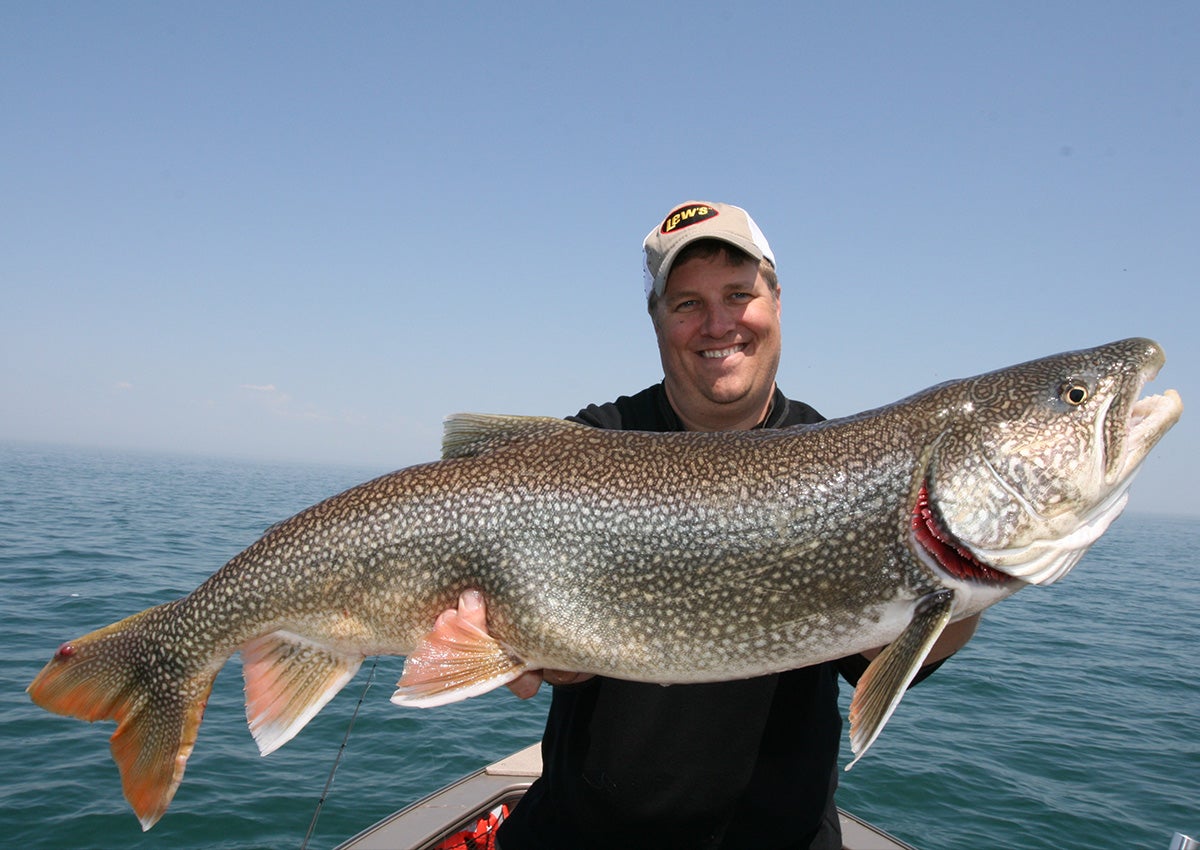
x=707, y=249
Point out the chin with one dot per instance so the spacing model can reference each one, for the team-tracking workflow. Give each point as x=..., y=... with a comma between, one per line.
x=728, y=394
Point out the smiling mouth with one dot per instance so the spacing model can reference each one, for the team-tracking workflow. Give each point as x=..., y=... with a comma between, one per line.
x=718, y=353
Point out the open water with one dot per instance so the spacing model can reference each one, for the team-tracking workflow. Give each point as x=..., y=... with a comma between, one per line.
x=1071, y=721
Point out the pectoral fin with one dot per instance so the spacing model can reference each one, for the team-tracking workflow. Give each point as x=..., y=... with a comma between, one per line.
x=455, y=661
x=885, y=680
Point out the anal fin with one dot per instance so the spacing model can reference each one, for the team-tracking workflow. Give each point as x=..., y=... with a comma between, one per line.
x=455, y=661
x=882, y=685
x=289, y=678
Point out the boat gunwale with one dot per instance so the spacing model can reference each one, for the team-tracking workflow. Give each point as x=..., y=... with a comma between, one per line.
x=432, y=819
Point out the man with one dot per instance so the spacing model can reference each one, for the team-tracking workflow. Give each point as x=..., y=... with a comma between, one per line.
x=729, y=765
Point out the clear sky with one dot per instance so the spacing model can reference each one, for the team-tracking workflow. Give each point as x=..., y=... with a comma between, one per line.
x=310, y=231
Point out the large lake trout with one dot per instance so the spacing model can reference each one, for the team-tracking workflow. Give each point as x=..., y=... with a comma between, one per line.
x=683, y=557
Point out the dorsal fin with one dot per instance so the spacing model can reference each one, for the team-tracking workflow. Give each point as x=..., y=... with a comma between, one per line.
x=470, y=434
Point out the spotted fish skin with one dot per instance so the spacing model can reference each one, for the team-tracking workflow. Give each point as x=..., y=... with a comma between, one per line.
x=682, y=557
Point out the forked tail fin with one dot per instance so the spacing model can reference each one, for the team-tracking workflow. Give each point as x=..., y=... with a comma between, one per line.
x=123, y=673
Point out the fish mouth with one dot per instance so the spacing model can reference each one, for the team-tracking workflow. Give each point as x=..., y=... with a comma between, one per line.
x=1154, y=413
x=950, y=555
x=1149, y=418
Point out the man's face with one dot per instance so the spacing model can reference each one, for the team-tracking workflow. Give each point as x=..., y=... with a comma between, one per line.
x=719, y=340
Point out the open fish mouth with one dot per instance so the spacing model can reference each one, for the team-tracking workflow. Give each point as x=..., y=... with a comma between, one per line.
x=1149, y=418
x=948, y=553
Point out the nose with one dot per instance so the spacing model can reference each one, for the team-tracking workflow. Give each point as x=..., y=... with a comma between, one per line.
x=719, y=320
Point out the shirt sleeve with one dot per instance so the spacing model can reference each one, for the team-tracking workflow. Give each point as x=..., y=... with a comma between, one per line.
x=644, y=411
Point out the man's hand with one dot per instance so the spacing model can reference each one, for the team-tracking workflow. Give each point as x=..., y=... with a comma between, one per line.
x=473, y=610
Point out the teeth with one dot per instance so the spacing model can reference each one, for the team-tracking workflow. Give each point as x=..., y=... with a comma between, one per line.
x=1157, y=410
x=724, y=352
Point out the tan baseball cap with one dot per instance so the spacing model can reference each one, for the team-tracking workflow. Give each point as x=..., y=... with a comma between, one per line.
x=698, y=220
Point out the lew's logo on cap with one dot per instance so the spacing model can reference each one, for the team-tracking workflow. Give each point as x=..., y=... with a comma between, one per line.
x=684, y=216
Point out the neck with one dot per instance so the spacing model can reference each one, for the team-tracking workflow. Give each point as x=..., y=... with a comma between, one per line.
x=731, y=417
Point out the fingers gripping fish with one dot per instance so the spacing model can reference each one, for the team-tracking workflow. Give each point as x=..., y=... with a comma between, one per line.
x=682, y=557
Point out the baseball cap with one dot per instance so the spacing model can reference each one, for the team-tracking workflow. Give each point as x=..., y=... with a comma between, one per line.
x=698, y=220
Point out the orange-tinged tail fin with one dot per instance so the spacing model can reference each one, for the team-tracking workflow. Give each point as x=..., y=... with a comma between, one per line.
x=122, y=673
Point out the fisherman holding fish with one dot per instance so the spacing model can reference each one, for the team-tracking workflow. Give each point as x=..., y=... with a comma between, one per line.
x=743, y=764
x=726, y=547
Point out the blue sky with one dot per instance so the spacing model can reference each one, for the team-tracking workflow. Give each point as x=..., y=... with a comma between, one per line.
x=311, y=231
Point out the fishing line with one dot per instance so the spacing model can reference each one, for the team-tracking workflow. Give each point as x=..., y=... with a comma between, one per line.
x=338, y=760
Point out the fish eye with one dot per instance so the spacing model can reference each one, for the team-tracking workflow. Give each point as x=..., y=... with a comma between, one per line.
x=1074, y=392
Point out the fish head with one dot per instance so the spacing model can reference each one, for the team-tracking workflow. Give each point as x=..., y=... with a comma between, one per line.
x=1034, y=462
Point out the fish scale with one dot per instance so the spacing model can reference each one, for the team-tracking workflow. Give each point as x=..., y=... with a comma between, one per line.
x=681, y=557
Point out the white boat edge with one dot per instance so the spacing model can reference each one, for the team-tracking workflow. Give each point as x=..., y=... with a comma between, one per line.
x=459, y=805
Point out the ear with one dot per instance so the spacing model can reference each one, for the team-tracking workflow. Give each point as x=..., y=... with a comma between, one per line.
x=652, y=309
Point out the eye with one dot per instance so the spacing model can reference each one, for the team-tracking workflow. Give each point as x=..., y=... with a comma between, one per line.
x=1074, y=392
